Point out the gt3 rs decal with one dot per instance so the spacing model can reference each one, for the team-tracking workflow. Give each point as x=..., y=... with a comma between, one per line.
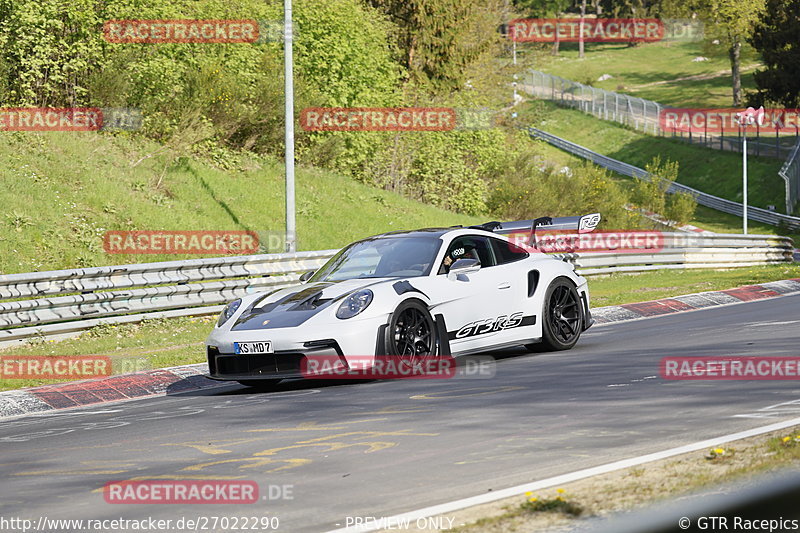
x=493, y=324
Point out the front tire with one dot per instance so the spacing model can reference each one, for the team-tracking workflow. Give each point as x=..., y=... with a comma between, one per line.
x=562, y=315
x=411, y=335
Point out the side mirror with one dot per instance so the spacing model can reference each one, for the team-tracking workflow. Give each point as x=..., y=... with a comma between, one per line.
x=463, y=266
x=307, y=275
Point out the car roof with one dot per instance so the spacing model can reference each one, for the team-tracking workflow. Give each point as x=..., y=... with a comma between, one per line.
x=434, y=232
x=423, y=232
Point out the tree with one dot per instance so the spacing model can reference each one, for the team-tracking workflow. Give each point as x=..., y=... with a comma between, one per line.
x=630, y=8
x=776, y=38
x=732, y=22
x=440, y=39
x=545, y=9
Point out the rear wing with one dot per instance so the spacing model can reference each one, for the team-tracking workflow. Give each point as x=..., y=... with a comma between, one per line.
x=581, y=224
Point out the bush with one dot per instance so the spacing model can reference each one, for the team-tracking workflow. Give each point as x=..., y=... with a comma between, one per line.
x=652, y=195
x=48, y=49
x=54, y=54
x=530, y=189
x=680, y=208
x=450, y=169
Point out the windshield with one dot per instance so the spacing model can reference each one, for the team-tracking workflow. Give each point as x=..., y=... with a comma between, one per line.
x=382, y=258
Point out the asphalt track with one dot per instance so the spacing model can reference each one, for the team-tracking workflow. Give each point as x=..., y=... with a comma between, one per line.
x=382, y=448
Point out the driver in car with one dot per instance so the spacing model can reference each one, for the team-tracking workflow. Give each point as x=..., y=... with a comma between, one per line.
x=461, y=251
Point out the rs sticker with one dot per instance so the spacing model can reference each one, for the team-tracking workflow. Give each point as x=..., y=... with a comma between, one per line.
x=489, y=325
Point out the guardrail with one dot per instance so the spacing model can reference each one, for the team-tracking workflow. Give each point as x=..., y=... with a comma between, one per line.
x=708, y=200
x=65, y=302
x=686, y=251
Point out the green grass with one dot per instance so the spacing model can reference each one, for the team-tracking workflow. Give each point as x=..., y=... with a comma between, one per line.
x=704, y=217
x=62, y=191
x=712, y=171
x=151, y=344
x=633, y=67
x=617, y=289
x=719, y=222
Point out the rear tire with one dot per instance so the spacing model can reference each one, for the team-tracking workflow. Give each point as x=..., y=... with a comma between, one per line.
x=562, y=315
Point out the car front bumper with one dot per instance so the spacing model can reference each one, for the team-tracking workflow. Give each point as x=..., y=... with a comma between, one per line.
x=278, y=365
x=360, y=339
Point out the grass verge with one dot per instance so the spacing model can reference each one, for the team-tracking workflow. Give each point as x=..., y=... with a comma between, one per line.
x=704, y=217
x=712, y=171
x=158, y=343
x=62, y=191
x=635, y=487
x=616, y=289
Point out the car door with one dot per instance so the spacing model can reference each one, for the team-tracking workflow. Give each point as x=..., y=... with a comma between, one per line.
x=513, y=272
x=475, y=305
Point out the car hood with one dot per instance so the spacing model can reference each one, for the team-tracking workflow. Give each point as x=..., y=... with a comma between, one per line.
x=292, y=306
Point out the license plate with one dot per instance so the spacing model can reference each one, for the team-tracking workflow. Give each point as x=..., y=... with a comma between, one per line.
x=247, y=348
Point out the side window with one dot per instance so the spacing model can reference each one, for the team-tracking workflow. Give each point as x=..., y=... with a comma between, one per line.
x=467, y=247
x=507, y=252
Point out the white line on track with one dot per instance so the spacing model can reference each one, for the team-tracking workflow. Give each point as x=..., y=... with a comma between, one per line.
x=564, y=478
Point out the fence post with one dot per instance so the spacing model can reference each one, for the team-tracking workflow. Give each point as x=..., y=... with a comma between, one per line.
x=658, y=117
x=644, y=114
x=758, y=140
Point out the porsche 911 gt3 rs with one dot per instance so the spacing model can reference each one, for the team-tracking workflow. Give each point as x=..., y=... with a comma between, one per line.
x=420, y=294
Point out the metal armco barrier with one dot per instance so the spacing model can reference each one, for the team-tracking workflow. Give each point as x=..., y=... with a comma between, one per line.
x=708, y=200
x=65, y=302
x=684, y=251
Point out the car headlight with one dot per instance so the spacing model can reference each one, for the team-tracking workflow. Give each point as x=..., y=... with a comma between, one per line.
x=354, y=304
x=228, y=312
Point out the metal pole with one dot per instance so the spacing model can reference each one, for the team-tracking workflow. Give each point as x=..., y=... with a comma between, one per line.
x=514, y=83
x=291, y=230
x=744, y=178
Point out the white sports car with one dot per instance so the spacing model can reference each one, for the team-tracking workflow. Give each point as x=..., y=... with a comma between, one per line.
x=419, y=294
